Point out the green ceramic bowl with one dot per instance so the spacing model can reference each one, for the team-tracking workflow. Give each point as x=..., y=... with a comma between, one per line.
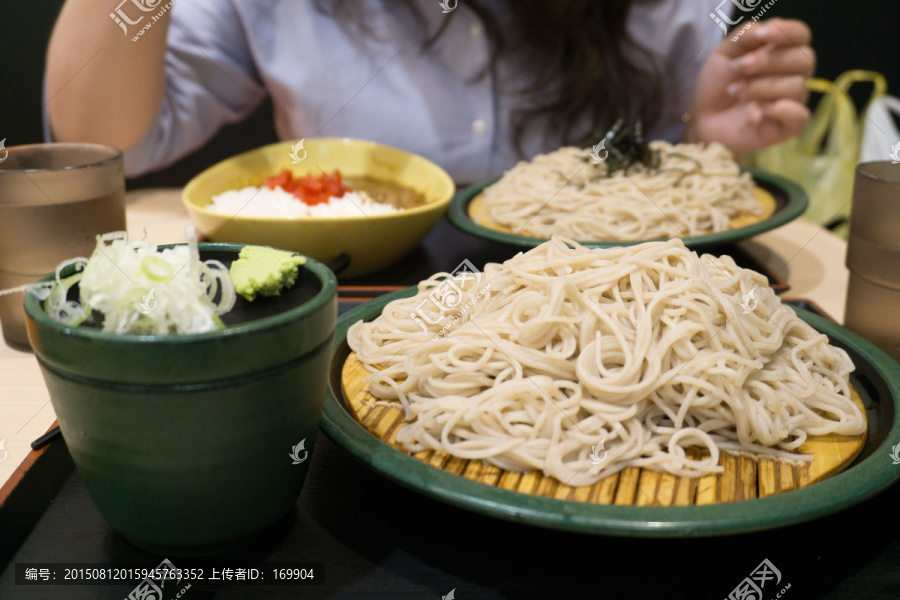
x=185, y=442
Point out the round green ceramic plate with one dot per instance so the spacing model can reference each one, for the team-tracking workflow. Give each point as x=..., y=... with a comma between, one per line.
x=877, y=379
x=790, y=203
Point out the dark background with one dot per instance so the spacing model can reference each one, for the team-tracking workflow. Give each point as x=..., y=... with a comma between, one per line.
x=848, y=35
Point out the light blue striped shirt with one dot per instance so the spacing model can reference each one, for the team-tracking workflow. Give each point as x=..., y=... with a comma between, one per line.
x=224, y=56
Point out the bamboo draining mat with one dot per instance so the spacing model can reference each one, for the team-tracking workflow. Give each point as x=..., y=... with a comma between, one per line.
x=744, y=477
x=479, y=214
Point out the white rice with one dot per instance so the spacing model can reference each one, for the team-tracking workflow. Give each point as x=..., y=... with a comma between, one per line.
x=263, y=202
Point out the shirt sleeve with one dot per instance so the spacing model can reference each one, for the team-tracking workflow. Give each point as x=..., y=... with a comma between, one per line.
x=682, y=35
x=211, y=80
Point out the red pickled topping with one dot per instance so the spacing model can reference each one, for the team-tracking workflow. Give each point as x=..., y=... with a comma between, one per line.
x=310, y=189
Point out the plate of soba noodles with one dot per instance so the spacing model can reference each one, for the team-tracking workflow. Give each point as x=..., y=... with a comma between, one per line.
x=641, y=390
x=660, y=191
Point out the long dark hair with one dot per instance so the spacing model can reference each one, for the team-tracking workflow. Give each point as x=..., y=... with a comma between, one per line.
x=583, y=68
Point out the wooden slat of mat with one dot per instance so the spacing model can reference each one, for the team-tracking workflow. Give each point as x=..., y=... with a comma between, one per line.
x=747, y=480
x=509, y=480
x=728, y=479
x=438, y=459
x=784, y=480
x=547, y=487
x=768, y=468
x=665, y=493
x=647, y=486
x=529, y=482
x=628, y=486
x=455, y=465
x=686, y=491
x=478, y=470
x=605, y=489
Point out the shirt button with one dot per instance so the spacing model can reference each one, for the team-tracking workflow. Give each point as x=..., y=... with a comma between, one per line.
x=474, y=31
x=479, y=126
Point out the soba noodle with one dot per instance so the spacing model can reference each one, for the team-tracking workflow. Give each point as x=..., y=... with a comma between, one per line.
x=648, y=349
x=697, y=189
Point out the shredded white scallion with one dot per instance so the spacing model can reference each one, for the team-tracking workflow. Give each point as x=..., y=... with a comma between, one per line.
x=139, y=288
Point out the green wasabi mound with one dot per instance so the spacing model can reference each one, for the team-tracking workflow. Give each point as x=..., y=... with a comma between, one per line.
x=261, y=271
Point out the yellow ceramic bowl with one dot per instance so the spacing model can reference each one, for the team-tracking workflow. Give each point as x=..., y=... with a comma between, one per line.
x=373, y=242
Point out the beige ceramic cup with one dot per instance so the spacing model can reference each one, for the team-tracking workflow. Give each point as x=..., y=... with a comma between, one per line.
x=54, y=200
x=873, y=256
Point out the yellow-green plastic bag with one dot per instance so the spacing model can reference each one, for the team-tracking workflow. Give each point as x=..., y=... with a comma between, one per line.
x=823, y=157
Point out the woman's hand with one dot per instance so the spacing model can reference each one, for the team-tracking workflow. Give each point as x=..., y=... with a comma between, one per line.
x=751, y=93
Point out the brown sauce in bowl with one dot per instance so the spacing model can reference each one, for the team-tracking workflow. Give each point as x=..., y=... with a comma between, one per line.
x=386, y=192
